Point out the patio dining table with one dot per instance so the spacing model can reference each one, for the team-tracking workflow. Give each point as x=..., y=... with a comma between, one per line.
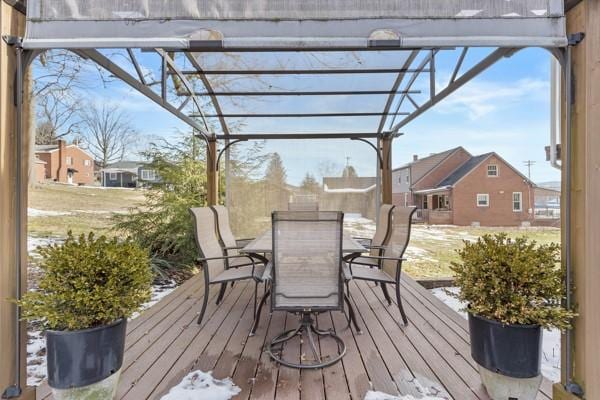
x=262, y=246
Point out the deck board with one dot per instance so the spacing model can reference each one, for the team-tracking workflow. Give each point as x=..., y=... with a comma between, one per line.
x=432, y=353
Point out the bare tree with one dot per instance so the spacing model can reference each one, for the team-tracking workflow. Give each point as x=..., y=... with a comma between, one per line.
x=58, y=115
x=107, y=133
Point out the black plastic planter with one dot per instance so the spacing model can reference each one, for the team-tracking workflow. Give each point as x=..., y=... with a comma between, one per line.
x=81, y=358
x=510, y=350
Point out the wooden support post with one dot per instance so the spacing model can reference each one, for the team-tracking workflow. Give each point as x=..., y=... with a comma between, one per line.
x=12, y=23
x=585, y=197
x=212, y=174
x=385, y=146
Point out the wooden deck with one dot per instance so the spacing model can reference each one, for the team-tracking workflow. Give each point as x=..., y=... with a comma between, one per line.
x=164, y=344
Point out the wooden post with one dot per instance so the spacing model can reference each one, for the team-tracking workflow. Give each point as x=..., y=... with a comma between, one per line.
x=12, y=23
x=212, y=174
x=386, y=169
x=585, y=197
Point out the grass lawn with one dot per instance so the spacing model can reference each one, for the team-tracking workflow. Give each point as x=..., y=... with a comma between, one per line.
x=433, y=247
x=54, y=208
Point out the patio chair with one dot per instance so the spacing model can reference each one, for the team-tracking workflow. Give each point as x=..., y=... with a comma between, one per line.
x=230, y=245
x=388, y=268
x=214, y=262
x=376, y=244
x=307, y=278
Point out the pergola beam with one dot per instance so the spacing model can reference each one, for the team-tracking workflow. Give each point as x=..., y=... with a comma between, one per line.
x=305, y=135
x=303, y=93
x=352, y=71
x=453, y=86
x=297, y=115
x=395, y=86
x=209, y=90
x=123, y=75
x=188, y=86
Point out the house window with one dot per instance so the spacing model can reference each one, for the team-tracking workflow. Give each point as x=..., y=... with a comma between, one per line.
x=492, y=170
x=407, y=178
x=112, y=176
x=87, y=163
x=425, y=202
x=148, y=175
x=516, y=201
x=69, y=160
x=483, y=200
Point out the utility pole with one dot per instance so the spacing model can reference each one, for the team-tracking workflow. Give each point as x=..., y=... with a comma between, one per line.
x=528, y=164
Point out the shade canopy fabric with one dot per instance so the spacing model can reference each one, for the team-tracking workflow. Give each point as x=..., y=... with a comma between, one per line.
x=266, y=24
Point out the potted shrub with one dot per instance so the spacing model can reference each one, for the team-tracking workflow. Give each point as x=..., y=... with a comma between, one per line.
x=513, y=288
x=88, y=288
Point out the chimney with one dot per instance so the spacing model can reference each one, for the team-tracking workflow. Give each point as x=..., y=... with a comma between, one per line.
x=61, y=173
x=415, y=157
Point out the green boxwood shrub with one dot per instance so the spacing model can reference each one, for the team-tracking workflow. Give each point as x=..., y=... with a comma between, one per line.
x=513, y=281
x=88, y=282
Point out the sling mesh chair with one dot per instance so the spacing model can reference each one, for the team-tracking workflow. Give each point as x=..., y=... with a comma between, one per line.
x=213, y=261
x=376, y=245
x=389, y=267
x=231, y=246
x=307, y=278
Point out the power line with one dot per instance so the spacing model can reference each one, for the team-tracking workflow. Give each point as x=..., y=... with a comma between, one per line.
x=528, y=164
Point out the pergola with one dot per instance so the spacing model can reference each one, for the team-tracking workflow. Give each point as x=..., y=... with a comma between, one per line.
x=179, y=32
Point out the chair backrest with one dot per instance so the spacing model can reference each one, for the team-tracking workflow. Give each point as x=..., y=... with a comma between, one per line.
x=382, y=232
x=224, y=229
x=206, y=238
x=303, y=206
x=399, y=236
x=307, y=260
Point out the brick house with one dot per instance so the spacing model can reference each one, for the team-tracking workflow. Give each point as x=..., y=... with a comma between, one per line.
x=64, y=163
x=455, y=187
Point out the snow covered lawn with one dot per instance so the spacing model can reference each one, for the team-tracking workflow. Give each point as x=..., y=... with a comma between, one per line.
x=551, y=338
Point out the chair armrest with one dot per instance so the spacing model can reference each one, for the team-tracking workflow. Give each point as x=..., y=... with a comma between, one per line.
x=385, y=258
x=399, y=260
x=202, y=260
x=267, y=273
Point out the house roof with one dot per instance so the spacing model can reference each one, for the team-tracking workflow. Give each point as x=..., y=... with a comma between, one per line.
x=45, y=148
x=49, y=148
x=434, y=159
x=464, y=169
x=124, y=165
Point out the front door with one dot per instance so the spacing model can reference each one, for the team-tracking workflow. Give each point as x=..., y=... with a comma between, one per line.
x=70, y=177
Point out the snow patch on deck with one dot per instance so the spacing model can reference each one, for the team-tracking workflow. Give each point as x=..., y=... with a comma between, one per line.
x=199, y=385
x=371, y=395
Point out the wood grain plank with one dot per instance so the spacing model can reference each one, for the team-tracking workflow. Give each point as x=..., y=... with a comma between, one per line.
x=334, y=377
x=175, y=361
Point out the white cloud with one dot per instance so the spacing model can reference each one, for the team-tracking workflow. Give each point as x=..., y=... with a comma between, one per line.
x=482, y=97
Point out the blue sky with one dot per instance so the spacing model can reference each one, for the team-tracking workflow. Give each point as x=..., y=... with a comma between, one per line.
x=505, y=109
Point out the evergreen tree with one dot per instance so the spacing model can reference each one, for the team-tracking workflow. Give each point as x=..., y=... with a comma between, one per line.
x=349, y=172
x=310, y=185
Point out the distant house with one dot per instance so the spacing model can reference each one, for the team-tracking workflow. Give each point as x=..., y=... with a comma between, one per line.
x=455, y=187
x=63, y=163
x=128, y=174
x=547, y=202
x=353, y=194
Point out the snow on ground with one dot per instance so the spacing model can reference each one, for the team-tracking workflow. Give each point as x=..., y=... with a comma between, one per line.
x=159, y=291
x=36, y=357
x=34, y=212
x=551, y=338
x=200, y=385
x=371, y=395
